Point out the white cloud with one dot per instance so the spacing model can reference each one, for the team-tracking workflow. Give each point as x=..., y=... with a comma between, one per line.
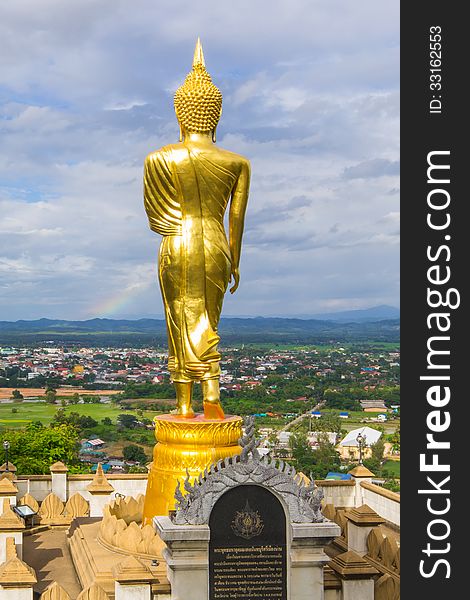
x=310, y=96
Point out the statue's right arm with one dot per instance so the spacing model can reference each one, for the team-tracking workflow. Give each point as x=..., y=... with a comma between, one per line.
x=160, y=195
x=150, y=188
x=237, y=220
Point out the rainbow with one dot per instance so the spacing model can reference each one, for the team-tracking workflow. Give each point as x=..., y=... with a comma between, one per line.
x=116, y=303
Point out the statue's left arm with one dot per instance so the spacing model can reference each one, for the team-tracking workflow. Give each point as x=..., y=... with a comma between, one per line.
x=237, y=220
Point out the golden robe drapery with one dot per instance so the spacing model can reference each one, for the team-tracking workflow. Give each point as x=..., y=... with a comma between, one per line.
x=186, y=192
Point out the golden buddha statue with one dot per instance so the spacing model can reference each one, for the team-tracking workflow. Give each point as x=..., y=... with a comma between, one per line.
x=187, y=189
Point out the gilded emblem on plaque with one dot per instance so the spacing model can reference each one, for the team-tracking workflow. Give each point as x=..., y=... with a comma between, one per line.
x=247, y=523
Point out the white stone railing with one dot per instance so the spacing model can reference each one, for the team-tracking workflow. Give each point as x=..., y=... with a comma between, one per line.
x=384, y=502
x=339, y=493
x=342, y=494
x=40, y=486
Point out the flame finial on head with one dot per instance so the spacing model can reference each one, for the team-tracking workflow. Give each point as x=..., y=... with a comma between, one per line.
x=198, y=102
x=198, y=54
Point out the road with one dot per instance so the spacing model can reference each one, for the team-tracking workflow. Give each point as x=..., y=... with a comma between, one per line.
x=298, y=419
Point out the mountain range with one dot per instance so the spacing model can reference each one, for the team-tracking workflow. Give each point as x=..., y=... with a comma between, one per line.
x=232, y=330
x=376, y=313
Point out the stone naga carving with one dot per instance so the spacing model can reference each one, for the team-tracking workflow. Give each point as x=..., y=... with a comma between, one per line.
x=303, y=500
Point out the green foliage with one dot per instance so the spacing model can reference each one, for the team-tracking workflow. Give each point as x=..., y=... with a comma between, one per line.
x=395, y=439
x=35, y=449
x=316, y=462
x=135, y=453
x=390, y=469
x=106, y=421
x=329, y=421
x=378, y=449
x=51, y=396
x=91, y=399
x=148, y=390
x=374, y=463
x=17, y=395
x=138, y=436
x=343, y=400
x=127, y=421
x=108, y=433
x=392, y=484
x=137, y=469
x=73, y=418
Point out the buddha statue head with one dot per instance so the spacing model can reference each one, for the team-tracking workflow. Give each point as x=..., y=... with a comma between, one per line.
x=198, y=102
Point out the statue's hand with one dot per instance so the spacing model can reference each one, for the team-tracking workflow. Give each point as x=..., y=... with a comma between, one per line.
x=235, y=276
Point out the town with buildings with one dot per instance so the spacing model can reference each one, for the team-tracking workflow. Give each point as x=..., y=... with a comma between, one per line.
x=339, y=391
x=111, y=368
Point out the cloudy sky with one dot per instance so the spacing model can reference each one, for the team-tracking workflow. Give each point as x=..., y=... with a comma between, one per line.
x=311, y=97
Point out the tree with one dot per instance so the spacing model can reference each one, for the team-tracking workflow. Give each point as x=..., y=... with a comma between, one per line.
x=302, y=453
x=134, y=453
x=327, y=458
x=377, y=450
x=91, y=399
x=317, y=462
x=395, y=439
x=329, y=421
x=106, y=421
x=75, y=398
x=86, y=422
x=74, y=419
x=127, y=421
x=51, y=396
x=341, y=400
x=377, y=453
x=17, y=395
x=34, y=449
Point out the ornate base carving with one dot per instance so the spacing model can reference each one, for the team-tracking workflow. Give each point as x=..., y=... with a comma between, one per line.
x=186, y=444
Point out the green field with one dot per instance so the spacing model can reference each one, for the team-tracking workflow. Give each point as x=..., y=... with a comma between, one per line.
x=326, y=347
x=393, y=467
x=40, y=411
x=356, y=419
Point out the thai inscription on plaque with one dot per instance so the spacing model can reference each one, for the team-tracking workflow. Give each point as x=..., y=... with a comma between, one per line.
x=247, y=549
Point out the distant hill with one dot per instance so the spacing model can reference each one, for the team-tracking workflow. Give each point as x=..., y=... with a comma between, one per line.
x=376, y=313
x=232, y=330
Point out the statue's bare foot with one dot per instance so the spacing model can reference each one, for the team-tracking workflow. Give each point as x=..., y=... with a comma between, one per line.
x=213, y=410
x=183, y=413
x=183, y=400
x=211, y=395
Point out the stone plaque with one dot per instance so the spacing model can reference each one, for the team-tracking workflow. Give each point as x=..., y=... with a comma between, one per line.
x=247, y=548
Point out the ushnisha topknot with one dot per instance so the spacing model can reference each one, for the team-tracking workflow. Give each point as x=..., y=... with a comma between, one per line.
x=198, y=102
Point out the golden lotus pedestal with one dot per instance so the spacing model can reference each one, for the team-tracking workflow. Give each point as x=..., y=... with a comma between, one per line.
x=185, y=445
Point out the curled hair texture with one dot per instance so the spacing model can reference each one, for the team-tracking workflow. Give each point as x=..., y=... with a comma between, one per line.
x=198, y=102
